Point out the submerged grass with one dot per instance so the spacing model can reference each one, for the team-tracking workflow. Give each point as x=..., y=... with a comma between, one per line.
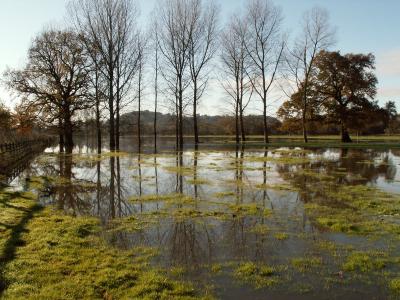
x=394, y=285
x=257, y=275
x=365, y=261
x=306, y=264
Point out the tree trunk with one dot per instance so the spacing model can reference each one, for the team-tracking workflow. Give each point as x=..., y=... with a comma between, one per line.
x=155, y=128
x=117, y=126
x=111, y=94
x=98, y=125
x=176, y=125
x=139, y=112
x=266, y=138
x=111, y=127
x=117, y=113
x=112, y=187
x=345, y=134
x=180, y=115
x=242, y=124
x=155, y=102
x=69, y=143
x=61, y=134
x=195, y=128
x=237, y=124
x=303, y=119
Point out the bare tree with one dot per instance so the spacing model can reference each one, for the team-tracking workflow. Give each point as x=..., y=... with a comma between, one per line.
x=317, y=35
x=155, y=43
x=202, y=48
x=130, y=55
x=141, y=61
x=176, y=27
x=264, y=46
x=55, y=80
x=234, y=60
x=97, y=90
x=108, y=27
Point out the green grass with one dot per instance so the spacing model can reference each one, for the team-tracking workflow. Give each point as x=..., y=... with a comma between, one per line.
x=48, y=255
x=365, y=261
x=259, y=276
x=305, y=264
x=394, y=285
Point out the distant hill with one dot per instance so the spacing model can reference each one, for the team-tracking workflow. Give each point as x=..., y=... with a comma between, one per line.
x=208, y=125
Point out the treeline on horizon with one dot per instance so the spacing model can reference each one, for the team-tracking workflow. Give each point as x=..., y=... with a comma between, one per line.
x=102, y=66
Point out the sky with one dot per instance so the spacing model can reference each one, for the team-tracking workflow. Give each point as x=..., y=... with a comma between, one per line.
x=362, y=26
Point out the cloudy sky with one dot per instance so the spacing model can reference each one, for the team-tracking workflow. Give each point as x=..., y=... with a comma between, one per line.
x=362, y=26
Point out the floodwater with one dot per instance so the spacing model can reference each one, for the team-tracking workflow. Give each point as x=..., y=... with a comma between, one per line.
x=243, y=223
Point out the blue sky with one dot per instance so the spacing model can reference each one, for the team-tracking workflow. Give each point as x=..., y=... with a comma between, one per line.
x=362, y=26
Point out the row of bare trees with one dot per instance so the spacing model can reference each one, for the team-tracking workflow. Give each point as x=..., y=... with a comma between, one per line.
x=98, y=64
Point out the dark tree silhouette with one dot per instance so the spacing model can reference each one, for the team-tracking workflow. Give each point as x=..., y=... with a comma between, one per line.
x=54, y=82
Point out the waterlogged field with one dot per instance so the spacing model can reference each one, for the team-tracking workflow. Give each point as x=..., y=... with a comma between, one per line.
x=274, y=223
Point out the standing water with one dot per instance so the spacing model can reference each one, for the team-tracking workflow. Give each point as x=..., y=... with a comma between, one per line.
x=240, y=223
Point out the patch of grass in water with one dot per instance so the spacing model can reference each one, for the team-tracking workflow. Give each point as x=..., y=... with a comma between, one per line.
x=249, y=209
x=175, y=197
x=224, y=194
x=281, y=236
x=216, y=268
x=114, y=154
x=279, y=187
x=261, y=229
x=198, y=181
x=285, y=160
x=306, y=264
x=365, y=261
x=356, y=209
x=185, y=171
x=394, y=285
x=259, y=276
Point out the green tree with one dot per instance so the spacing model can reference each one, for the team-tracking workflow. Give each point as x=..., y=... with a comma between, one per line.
x=346, y=85
x=5, y=117
x=391, y=122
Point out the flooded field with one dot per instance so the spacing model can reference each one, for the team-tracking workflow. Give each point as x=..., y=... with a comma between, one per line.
x=239, y=223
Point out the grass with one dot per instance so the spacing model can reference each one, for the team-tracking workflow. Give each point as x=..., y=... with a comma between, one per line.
x=48, y=255
x=306, y=264
x=281, y=236
x=356, y=209
x=365, y=261
x=259, y=276
x=394, y=285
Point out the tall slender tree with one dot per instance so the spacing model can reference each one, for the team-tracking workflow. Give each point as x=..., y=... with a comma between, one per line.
x=234, y=62
x=317, y=34
x=264, y=45
x=176, y=27
x=108, y=28
x=202, y=47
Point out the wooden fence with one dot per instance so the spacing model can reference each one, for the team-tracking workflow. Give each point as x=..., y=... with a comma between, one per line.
x=13, y=153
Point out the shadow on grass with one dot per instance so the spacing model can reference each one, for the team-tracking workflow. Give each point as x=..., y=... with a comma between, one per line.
x=14, y=240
